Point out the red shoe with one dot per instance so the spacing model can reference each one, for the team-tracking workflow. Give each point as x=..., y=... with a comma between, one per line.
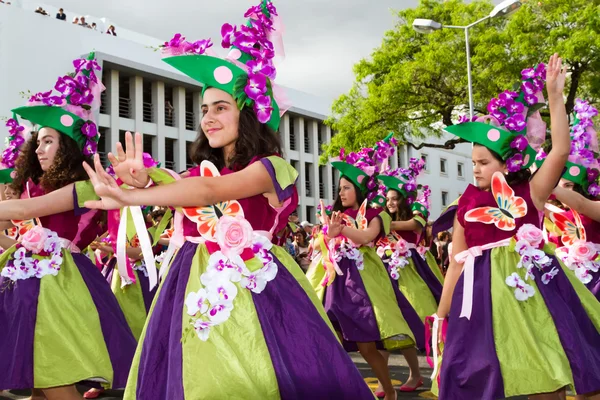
x=93, y=393
x=380, y=395
x=405, y=388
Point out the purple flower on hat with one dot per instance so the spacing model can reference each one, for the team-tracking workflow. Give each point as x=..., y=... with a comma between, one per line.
x=199, y=47
x=515, y=107
x=410, y=187
x=82, y=81
x=228, y=33
x=541, y=155
x=528, y=88
x=263, y=108
x=493, y=105
x=76, y=99
x=528, y=73
x=149, y=162
x=507, y=95
x=256, y=86
x=40, y=96
x=539, y=84
x=53, y=101
x=18, y=141
x=352, y=158
x=594, y=190
x=592, y=174
x=176, y=41
x=90, y=148
x=519, y=143
x=515, y=122
x=514, y=163
x=89, y=129
x=540, y=71
x=499, y=115
x=371, y=184
x=65, y=85
x=531, y=99
x=260, y=67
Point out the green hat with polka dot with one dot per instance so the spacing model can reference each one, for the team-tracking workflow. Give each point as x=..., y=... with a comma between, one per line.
x=70, y=110
x=247, y=72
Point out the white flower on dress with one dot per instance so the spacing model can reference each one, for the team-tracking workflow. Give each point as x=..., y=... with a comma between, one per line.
x=549, y=275
x=219, y=312
x=583, y=275
x=197, y=302
x=523, y=291
x=202, y=329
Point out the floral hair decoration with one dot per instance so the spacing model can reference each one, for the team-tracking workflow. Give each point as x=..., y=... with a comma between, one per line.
x=404, y=180
x=70, y=110
x=582, y=166
x=248, y=72
x=514, y=128
x=18, y=135
x=363, y=167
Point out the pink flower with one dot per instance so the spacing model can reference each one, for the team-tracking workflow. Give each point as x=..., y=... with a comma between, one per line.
x=234, y=234
x=401, y=246
x=582, y=251
x=530, y=234
x=34, y=239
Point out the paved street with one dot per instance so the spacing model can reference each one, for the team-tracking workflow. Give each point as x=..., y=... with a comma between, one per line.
x=398, y=370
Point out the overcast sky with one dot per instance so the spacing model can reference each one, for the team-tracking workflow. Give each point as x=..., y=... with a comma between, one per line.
x=323, y=38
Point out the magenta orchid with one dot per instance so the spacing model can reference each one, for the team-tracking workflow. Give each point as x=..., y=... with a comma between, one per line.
x=263, y=108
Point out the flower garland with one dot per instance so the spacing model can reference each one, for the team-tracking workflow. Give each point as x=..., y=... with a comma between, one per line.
x=345, y=248
x=581, y=257
x=17, y=136
x=582, y=134
x=40, y=242
x=529, y=242
x=398, y=255
x=256, y=89
x=211, y=306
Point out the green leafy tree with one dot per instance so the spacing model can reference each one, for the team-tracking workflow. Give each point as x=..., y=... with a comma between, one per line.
x=413, y=83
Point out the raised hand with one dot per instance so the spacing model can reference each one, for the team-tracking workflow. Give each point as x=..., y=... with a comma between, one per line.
x=335, y=225
x=555, y=76
x=112, y=197
x=129, y=163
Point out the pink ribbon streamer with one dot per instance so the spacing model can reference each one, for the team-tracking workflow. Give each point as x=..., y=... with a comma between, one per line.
x=467, y=258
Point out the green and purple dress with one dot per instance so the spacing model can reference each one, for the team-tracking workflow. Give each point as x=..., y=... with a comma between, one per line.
x=235, y=317
x=60, y=323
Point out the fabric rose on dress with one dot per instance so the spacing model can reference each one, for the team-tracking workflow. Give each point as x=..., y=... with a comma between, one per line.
x=35, y=239
x=582, y=251
x=234, y=234
x=530, y=234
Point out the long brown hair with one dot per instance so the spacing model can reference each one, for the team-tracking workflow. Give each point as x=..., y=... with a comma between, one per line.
x=512, y=178
x=254, y=140
x=66, y=168
x=404, y=212
x=360, y=196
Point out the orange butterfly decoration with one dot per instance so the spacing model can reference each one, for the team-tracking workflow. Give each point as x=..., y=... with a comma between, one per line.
x=23, y=226
x=361, y=218
x=572, y=230
x=510, y=207
x=206, y=218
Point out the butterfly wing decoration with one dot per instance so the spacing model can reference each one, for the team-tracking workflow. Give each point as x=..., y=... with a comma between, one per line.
x=510, y=207
x=361, y=217
x=23, y=226
x=572, y=230
x=206, y=218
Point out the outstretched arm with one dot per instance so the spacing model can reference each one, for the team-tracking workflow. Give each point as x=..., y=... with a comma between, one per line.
x=55, y=202
x=410, y=225
x=577, y=202
x=550, y=172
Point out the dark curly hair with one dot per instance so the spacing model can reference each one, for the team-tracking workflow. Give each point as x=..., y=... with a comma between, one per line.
x=512, y=178
x=254, y=140
x=67, y=167
x=360, y=196
x=404, y=211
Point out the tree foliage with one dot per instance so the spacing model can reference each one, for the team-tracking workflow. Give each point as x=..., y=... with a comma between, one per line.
x=414, y=84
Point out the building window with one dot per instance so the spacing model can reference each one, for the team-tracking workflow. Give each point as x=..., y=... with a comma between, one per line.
x=170, y=153
x=425, y=158
x=443, y=166
x=310, y=213
x=307, y=141
x=321, y=182
x=461, y=170
x=292, y=134
x=307, y=179
x=444, y=198
x=188, y=155
x=147, y=106
x=149, y=144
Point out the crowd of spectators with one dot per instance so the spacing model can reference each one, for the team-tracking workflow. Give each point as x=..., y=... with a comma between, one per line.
x=60, y=15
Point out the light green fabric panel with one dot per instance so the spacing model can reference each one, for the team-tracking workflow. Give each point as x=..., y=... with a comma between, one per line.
x=68, y=344
x=431, y=261
x=531, y=356
x=302, y=279
x=85, y=192
x=158, y=231
x=416, y=291
x=208, y=370
x=316, y=272
x=285, y=174
x=160, y=176
x=420, y=220
x=383, y=299
x=587, y=298
x=131, y=300
x=386, y=220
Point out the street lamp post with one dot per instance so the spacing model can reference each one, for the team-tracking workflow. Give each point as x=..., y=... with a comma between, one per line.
x=503, y=9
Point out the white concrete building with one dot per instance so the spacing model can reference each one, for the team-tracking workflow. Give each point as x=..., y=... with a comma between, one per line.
x=144, y=94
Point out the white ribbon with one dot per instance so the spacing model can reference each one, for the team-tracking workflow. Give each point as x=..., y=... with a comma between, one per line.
x=175, y=243
x=467, y=258
x=435, y=343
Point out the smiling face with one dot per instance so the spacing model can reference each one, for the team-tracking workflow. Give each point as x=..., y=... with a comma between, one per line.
x=10, y=193
x=347, y=194
x=392, y=200
x=484, y=166
x=48, y=142
x=220, y=120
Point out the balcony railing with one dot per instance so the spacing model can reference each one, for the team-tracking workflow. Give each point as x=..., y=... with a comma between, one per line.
x=103, y=159
x=321, y=190
x=307, y=145
x=292, y=142
x=170, y=165
x=148, y=112
x=190, y=121
x=124, y=107
x=308, y=188
x=169, y=116
x=103, y=103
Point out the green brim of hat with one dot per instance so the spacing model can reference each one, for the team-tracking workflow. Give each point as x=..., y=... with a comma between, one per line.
x=575, y=173
x=349, y=171
x=393, y=183
x=493, y=138
x=5, y=176
x=420, y=208
x=215, y=72
x=56, y=118
x=379, y=200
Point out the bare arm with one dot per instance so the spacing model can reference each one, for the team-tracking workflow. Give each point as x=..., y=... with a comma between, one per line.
x=4, y=225
x=459, y=245
x=410, y=225
x=366, y=236
x=55, y=202
x=6, y=242
x=574, y=200
x=550, y=172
